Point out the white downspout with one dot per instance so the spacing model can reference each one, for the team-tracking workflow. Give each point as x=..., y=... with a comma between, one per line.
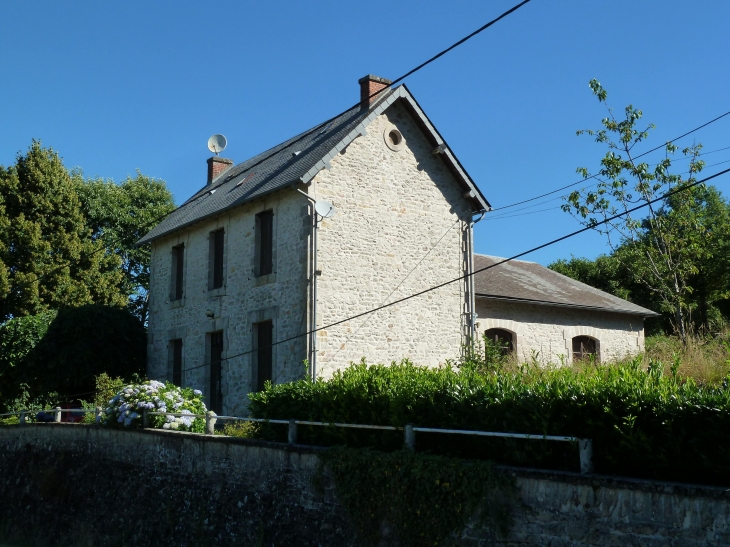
x=313, y=294
x=472, y=296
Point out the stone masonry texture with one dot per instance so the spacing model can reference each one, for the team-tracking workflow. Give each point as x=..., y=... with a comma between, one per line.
x=243, y=300
x=546, y=332
x=399, y=227
x=393, y=208
x=72, y=485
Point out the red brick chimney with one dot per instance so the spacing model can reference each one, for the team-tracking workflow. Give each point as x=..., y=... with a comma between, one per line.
x=368, y=86
x=216, y=166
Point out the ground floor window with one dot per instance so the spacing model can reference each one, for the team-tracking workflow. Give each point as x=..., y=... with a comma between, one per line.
x=584, y=347
x=502, y=339
x=263, y=339
x=176, y=347
x=215, y=402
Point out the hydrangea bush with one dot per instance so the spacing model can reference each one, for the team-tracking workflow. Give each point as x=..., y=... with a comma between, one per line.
x=126, y=407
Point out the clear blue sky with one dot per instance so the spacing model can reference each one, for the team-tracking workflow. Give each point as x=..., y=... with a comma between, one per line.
x=116, y=87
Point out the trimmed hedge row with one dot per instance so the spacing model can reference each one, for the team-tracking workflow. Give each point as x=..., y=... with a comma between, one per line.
x=642, y=423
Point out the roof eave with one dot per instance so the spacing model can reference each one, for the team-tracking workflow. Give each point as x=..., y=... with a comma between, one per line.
x=643, y=313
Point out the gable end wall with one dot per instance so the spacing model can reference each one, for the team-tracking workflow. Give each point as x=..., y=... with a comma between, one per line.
x=399, y=227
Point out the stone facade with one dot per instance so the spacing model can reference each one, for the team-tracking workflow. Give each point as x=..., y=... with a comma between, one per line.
x=243, y=300
x=546, y=332
x=400, y=225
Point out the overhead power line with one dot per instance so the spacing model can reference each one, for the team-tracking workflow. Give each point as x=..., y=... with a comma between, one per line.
x=159, y=219
x=466, y=276
x=397, y=80
x=594, y=176
x=510, y=214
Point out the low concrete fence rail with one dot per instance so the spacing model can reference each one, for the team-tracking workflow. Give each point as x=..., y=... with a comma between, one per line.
x=585, y=446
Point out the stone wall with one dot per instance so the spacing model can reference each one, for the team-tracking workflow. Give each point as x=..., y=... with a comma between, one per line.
x=244, y=299
x=547, y=331
x=399, y=228
x=72, y=485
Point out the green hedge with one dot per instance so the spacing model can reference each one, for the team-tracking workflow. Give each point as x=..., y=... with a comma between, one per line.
x=642, y=423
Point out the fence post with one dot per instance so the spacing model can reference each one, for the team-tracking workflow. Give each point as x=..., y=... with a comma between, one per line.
x=57, y=415
x=145, y=420
x=97, y=419
x=210, y=420
x=22, y=417
x=585, y=446
x=292, y=432
x=410, y=437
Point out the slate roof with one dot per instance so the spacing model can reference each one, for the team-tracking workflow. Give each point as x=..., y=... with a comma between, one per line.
x=530, y=282
x=279, y=167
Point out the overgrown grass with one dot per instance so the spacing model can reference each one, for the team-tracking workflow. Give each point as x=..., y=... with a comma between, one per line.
x=706, y=359
x=643, y=421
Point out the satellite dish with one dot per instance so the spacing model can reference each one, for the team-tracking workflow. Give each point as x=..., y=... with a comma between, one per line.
x=217, y=143
x=324, y=208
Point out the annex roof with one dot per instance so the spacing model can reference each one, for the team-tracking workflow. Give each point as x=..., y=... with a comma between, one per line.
x=529, y=282
x=299, y=159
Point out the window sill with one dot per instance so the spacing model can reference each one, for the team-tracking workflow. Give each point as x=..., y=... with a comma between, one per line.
x=265, y=279
x=179, y=303
x=215, y=293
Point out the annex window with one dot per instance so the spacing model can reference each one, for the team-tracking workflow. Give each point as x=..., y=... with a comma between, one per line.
x=264, y=339
x=264, y=243
x=175, y=349
x=176, y=272
x=216, y=359
x=584, y=347
x=501, y=339
x=217, y=240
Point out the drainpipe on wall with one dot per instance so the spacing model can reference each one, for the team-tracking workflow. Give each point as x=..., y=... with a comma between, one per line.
x=472, y=297
x=313, y=281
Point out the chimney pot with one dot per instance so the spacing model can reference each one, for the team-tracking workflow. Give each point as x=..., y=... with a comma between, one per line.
x=370, y=85
x=216, y=167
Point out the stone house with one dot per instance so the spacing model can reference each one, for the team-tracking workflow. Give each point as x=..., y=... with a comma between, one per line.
x=540, y=314
x=331, y=223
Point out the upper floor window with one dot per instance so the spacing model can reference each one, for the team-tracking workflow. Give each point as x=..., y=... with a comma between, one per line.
x=176, y=277
x=216, y=259
x=264, y=243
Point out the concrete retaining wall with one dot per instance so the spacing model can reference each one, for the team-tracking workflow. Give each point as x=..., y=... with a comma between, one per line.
x=65, y=484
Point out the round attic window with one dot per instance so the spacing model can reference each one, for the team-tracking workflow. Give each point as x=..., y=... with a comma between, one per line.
x=393, y=138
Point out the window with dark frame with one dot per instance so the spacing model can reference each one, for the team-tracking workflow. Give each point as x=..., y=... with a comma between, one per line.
x=264, y=353
x=216, y=358
x=176, y=349
x=501, y=339
x=265, y=241
x=217, y=262
x=178, y=256
x=584, y=347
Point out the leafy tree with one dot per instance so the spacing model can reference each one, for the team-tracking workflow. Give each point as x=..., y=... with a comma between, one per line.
x=662, y=250
x=118, y=215
x=604, y=273
x=47, y=257
x=82, y=343
x=17, y=338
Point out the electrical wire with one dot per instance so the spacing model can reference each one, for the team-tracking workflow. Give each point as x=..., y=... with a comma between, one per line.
x=594, y=176
x=501, y=216
x=379, y=91
x=470, y=274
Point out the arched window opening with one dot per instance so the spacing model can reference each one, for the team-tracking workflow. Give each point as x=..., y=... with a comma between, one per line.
x=584, y=347
x=501, y=339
